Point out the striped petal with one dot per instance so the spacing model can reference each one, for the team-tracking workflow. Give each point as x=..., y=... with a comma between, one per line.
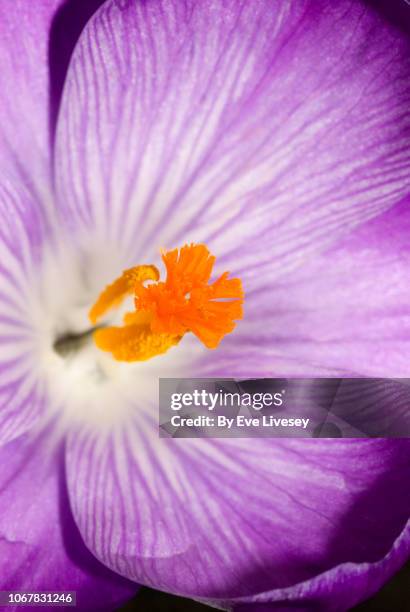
x=344, y=312
x=205, y=121
x=266, y=129
x=22, y=233
x=224, y=519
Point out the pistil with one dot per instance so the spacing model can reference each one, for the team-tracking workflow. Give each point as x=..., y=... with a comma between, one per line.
x=71, y=343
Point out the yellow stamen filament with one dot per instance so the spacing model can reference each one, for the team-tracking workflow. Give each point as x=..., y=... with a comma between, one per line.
x=166, y=310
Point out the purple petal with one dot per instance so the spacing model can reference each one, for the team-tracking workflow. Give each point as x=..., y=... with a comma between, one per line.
x=328, y=591
x=346, y=311
x=205, y=121
x=22, y=232
x=266, y=129
x=24, y=136
x=40, y=547
x=223, y=519
x=35, y=47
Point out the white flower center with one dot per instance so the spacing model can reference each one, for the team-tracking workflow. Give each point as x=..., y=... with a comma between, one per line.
x=84, y=384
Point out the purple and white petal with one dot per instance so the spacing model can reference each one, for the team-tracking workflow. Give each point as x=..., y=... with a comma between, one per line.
x=216, y=128
x=40, y=546
x=206, y=121
x=344, y=312
x=223, y=519
x=348, y=309
x=22, y=234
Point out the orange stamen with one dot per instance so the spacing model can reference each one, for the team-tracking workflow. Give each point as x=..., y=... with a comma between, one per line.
x=113, y=294
x=166, y=310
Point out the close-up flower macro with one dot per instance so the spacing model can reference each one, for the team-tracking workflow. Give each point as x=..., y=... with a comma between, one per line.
x=191, y=190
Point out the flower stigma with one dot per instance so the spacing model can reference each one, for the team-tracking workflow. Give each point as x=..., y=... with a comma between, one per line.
x=166, y=310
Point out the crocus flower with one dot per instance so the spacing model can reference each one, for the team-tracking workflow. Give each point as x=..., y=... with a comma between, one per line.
x=276, y=133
